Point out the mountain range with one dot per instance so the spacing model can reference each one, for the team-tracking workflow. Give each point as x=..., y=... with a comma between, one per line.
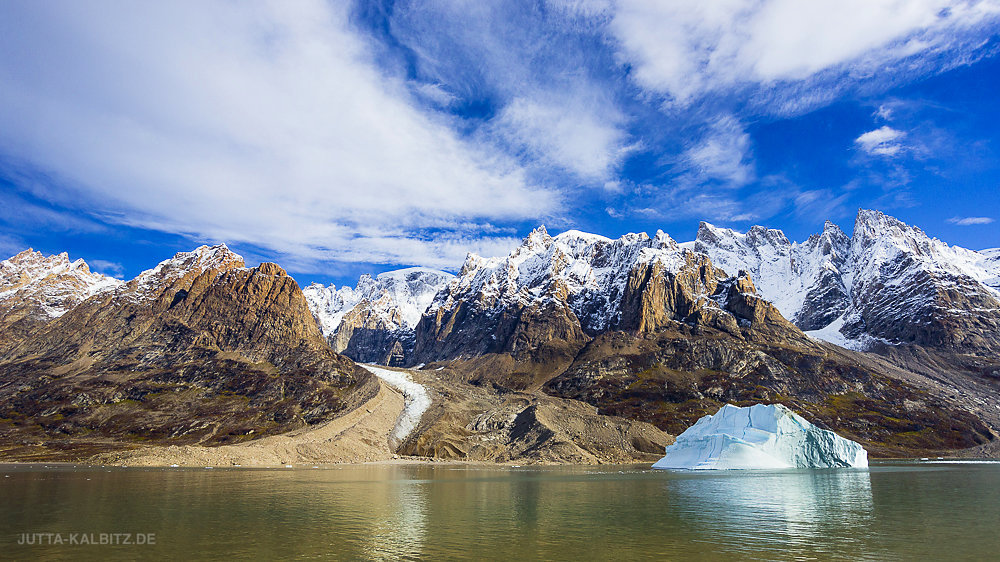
x=889, y=337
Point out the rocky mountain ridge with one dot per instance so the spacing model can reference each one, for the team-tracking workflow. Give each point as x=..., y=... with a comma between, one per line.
x=649, y=329
x=642, y=329
x=35, y=289
x=374, y=321
x=889, y=283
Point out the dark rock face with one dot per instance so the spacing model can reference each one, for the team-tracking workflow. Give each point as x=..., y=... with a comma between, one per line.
x=526, y=342
x=198, y=350
x=825, y=302
x=366, y=336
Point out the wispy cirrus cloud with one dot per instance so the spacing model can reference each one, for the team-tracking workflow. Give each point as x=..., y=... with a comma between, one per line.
x=536, y=72
x=107, y=267
x=11, y=245
x=723, y=154
x=265, y=123
x=970, y=221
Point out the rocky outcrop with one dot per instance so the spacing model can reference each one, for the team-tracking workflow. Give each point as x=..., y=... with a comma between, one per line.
x=543, y=303
x=656, y=297
x=489, y=423
x=804, y=281
x=197, y=350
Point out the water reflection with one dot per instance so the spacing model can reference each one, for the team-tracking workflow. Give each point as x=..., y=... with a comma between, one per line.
x=785, y=511
x=554, y=513
x=399, y=520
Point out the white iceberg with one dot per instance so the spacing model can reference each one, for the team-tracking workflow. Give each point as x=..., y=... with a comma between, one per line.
x=760, y=436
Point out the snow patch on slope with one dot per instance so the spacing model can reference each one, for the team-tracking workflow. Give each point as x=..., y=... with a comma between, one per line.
x=991, y=267
x=832, y=334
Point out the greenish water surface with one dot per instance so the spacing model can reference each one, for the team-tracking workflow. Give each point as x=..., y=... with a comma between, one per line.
x=904, y=511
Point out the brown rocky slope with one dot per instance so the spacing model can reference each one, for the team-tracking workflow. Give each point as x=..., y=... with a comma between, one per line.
x=197, y=350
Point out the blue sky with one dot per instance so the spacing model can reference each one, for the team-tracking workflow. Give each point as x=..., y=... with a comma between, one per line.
x=339, y=139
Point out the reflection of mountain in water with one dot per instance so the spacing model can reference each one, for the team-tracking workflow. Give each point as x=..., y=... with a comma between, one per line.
x=790, y=511
x=400, y=524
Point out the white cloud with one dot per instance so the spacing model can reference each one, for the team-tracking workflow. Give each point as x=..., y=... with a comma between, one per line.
x=723, y=154
x=436, y=94
x=883, y=141
x=969, y=221
x=820, y=203
x=567, y=136
x=536, y=72
x=267, y=124
x=110, y=268
x=11, y=246
x=687, y=48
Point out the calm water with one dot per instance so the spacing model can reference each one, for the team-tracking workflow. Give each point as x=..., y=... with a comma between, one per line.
x=893, y=511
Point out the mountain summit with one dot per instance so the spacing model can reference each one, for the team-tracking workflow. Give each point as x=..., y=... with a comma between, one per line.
x=374, y=321
x=888, y=284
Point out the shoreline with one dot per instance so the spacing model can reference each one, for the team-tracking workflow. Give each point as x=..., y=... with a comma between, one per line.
x=358, y=436
x=430, y=461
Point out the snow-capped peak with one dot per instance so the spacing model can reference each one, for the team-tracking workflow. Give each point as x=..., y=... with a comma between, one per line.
x=766, y=254
x=887, y=268
x=54, y=283
x=879, y=238
x=587, y=270
x=218, y=258
x=403, y=294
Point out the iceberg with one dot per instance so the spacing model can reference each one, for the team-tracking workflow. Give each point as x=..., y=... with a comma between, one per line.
x=759, y=436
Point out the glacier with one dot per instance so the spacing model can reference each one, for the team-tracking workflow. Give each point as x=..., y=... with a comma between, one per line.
x=415, y=400
x=762, y=436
